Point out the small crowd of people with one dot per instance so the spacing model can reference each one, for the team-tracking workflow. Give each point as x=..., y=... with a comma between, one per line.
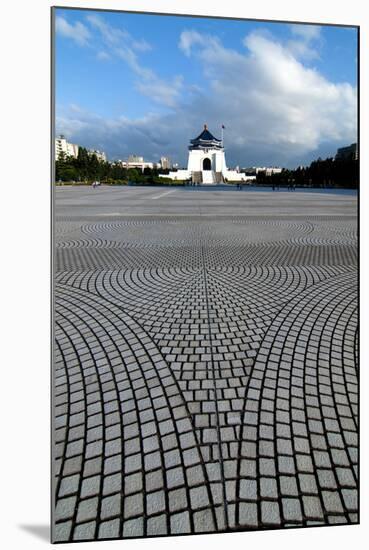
x=290, y=187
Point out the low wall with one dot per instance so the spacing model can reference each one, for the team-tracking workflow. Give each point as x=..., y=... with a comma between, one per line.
x=179, y=175
x=232, y=175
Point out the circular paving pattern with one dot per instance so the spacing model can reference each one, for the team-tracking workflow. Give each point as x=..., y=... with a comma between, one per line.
x=205, y=375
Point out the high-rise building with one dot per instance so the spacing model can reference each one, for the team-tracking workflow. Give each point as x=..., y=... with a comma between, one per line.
x=63, y=146
x=165, y=163
x=101, y=156
x=347, y=153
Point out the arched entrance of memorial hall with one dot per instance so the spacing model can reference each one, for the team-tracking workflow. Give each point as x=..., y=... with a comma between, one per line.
x=206, y=164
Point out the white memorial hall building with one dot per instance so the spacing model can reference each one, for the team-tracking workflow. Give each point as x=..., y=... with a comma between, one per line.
x=206, y=162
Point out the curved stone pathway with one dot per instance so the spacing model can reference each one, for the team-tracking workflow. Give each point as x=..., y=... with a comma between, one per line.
x=205, y=373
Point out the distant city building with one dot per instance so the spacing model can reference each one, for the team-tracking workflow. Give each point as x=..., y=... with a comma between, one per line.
x=101, y=156
x=268, y=170
x=138, y=162
x=165, y=163
x=63, y=146
x=347, y=153
x=135, y=159
x=206, y=162
x=71, y=149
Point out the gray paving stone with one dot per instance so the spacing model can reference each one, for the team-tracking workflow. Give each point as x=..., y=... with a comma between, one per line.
x=154, y=480
x=155, y=502
x=270, y=512
x=112, y=483
x=268, y=487
x=69, y=485
x=65, y=508
x=85, y=531
x=90, y=486
x=345, y=477
x=87, y=509
x=248, y=489
x=92, y=467
x=203, y=521
x=304, y=463
x=178, y=500
x=111, y=506
x=180, y=523
x=337, y=520
x=286, y=465
x=195, y=475
x=133, y=505
x=292, y=509
x=308, y=483
x=152, y=461
x=312, y=507
x=288, y=486
x=61, y=531
x=175, y=477
x=199, y=497
x=109, y=529
x=332, y=502
x=171, y=417
x=133, y=528
x=326, y=479
x=157, y=525
x=248, y=514
x=113, y=464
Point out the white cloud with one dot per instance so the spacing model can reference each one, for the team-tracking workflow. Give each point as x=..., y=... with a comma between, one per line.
x=166, y=93
x=77, y=32
x=268, y=96
x=122, y=45
x=141, y=45
x=307, y=32
x=307, y=41
x=190, y=38
x=276, y=109
x=112, y=35
x=149, y=135
x=102, y=55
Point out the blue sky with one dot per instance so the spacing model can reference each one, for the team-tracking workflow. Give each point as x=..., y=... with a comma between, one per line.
x=146, y=84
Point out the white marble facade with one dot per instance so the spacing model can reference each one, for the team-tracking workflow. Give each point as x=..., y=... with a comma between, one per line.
x=206, y=162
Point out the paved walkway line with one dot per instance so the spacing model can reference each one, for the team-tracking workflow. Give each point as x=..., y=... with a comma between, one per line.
x=215, y=376
x=163, y=194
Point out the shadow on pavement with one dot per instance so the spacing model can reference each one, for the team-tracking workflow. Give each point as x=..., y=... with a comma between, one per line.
x=42, y=532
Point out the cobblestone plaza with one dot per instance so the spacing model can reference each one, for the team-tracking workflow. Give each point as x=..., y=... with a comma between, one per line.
x=205, y=365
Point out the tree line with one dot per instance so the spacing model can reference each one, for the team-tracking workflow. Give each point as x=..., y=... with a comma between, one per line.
x=342, y=173
x=86, y=168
